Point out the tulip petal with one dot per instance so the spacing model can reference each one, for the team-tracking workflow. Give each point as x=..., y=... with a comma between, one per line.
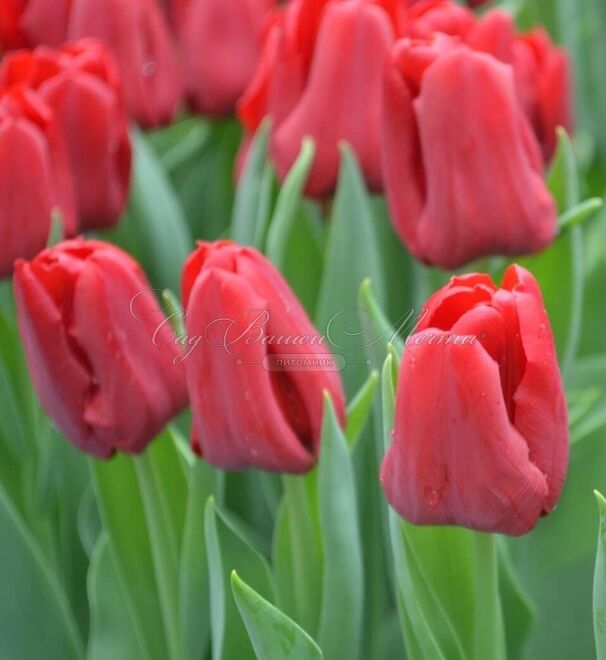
x=359, y=35
x=456, y=458
x=255, y=431
x=540, y=403
x=49, y=352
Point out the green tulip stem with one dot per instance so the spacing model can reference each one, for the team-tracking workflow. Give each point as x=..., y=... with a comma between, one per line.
x=164, y=554
x=488, y=624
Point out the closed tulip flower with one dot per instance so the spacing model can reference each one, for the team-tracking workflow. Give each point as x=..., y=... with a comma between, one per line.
x=544, y=84
x=259, y=368
x=88, y=318
x=137, y=35
x=481, y=433
x=35, y=178
x=220, y=42
x=320, y=76
x=28, y=23
x=463, y=170
x=542, y=70
x=80, y=84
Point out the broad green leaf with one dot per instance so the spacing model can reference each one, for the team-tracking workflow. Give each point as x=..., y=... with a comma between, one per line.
x=227, y=550
x=114, y=632
x=35, y=616
x=252, y=193
x=153, y=228
x=360, y=408
x=343, y=580
x=273, y=635
x=599, y=583
x=193, y=570
x=285, y=215
x=352, y=254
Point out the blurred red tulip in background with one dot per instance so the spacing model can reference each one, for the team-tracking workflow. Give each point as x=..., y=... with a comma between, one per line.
x=35, y=178
x=481, y=431
x=248, y=411
x=320, y=76
x=80, y=84
x=463, y=170
x=28, y=23
x=87, y=318
x=137, y=34
x=220, y=42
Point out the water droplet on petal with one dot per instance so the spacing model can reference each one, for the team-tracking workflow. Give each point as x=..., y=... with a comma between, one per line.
x=148, y=69
x=432, y=496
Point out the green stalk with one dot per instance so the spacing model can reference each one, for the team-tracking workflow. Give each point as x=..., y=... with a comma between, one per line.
x=489, y=637
x=164, y=553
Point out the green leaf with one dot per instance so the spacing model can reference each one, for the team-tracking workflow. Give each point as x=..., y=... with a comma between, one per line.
x=35, y=616
x=273, y=635
x=360, y=408
x=193, y=570
x=599, y=583
x=114, y=633
x=290, y=196
x=384, y=332
x=228, y=550
x=343, y=581
x=154, y=229
x=352, y=254
x=251, y=207
x=579, y=213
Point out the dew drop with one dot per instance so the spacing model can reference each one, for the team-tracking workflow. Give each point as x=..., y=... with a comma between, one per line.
x=148, y=69
x=432, y=496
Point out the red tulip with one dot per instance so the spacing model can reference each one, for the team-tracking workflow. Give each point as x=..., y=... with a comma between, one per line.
x=28, y=23
x=259, y=367
x=320, y=76
x=427, y=17
x=35, y=178
x=87, y=317
x=80, y=84
x=137, y=35
x=463, y=171
x=221, y=42
x=542, y=71
x=544, y=84
x=481, y=433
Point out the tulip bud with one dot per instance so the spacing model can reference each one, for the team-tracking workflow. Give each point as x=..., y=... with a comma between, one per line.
x=221, y=42
x=136, y=33
x=544, y=84
x=463, y=171
x=28, y=23
x=481, y=431
x=259, y=368
x=35, y=179
x=97, y=346
x=319, y=50
x=80, y=83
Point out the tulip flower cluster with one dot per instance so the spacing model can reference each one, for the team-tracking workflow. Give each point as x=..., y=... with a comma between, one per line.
x=452, y=115
x=453, y=84
x=489, y=412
